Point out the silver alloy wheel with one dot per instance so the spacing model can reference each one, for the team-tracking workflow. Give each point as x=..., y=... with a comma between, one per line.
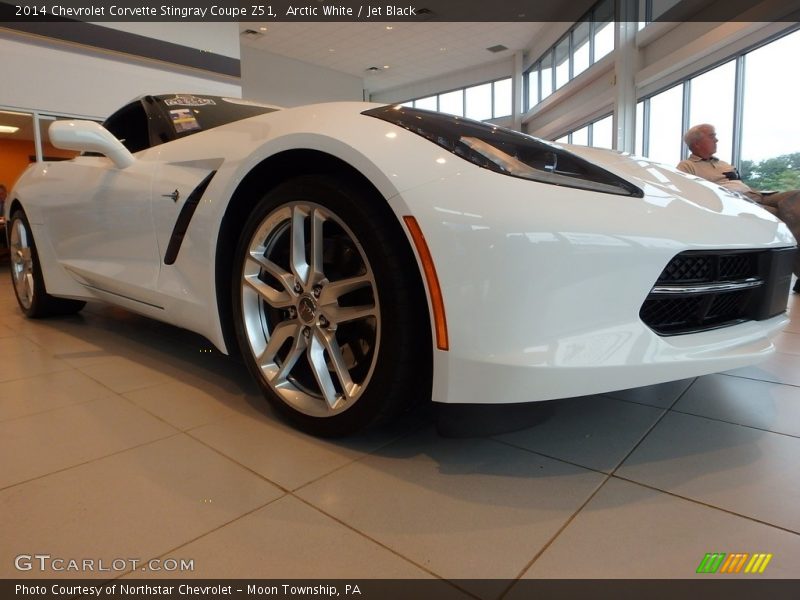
x=22, y=262
x=310, y=309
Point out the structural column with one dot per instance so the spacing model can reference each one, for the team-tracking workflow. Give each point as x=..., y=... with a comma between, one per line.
x=625, y=68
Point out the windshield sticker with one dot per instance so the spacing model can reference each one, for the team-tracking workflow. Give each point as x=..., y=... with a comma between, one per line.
x=183, y=120
x=188, y=101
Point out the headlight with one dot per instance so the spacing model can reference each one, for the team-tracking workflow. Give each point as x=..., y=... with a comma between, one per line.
x=506, y=151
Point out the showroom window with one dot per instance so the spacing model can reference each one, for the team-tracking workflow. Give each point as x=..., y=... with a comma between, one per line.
x=666, y=126
x=589, y=40
x=770, y=134
x=452, y=103
x=482, y=102
x=598, y=134
x=744, y=99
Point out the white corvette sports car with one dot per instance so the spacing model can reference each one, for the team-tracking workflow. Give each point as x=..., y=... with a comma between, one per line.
x=361, y=257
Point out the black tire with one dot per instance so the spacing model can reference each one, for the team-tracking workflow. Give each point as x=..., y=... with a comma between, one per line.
x=386, y=355
x=26, y=274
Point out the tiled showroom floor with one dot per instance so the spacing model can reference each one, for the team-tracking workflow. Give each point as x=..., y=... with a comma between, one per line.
x=123, y=437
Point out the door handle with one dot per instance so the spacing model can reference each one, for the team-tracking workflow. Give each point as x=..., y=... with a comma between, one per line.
x=174, y=195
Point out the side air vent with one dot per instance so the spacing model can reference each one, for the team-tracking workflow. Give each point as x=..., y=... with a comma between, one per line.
x=698, y=291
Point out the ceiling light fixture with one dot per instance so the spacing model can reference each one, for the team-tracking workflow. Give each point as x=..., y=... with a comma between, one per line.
x=8, y=129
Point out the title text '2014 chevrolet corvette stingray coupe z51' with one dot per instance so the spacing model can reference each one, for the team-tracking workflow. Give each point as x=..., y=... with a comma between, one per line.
x=362, y=257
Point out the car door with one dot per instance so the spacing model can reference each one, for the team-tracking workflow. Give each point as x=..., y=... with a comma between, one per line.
x=99, y=216
x=101, y=226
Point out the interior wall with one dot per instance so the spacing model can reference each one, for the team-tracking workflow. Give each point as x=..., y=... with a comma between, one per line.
x=14, y=160
x=217, y=37
x=38, y=74
x=15, y=156
x=275, y=79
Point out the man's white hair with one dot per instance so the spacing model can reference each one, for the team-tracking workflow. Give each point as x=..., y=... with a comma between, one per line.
x=696, y=133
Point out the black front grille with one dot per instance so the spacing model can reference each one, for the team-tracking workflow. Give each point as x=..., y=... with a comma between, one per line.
x=698, y=291
x=687, y=268
x=737, y=266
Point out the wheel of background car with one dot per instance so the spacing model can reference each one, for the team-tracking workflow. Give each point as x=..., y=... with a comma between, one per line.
x=26, y=274
x=329, y=310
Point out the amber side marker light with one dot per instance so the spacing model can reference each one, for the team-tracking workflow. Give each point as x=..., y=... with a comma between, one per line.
x=432, y=280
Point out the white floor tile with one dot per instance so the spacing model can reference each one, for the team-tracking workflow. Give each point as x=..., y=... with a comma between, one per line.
x=22, y=358
x=138, y=504
x=289, y=539
x=657, y=536
x=283, y=455
x=68, y=436
x=746, y=471
x=778, y=368
x=662, y=395
x=788, y=343
x=760, y=404
x=462, y=508
x=594, y=432
x=126, y=375
x=188, y=405
x=22, y=397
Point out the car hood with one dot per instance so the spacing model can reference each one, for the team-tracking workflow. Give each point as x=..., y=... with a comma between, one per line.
x=661, y=183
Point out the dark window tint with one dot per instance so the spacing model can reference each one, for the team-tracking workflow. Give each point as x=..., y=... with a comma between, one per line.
x=129, y=126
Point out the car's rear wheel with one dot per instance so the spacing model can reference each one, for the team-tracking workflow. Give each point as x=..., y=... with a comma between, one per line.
x=329, y=312
x=26, y=274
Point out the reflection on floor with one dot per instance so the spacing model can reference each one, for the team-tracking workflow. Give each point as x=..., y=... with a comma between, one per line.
x=123, y=437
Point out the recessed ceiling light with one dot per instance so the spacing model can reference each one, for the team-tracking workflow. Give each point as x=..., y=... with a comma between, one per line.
x=8, y=129
x=389, y=27
x=263, y=28
x=442, y=49
x=385, y=66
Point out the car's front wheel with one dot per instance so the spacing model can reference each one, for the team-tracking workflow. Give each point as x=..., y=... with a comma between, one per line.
x=329, y=312
x=26, y=274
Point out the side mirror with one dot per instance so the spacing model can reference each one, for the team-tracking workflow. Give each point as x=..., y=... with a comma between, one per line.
x=88, y=136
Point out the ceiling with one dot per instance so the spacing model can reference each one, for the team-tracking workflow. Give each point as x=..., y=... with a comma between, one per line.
x=411, y=51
